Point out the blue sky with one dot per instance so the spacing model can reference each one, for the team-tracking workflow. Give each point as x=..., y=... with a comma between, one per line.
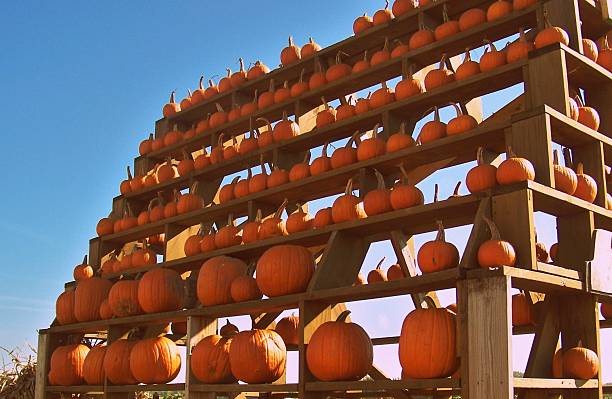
x=84, y=82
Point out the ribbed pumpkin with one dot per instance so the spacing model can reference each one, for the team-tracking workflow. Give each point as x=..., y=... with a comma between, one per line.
x=587, y=116
x=382, y=17
x=339, y=351
x=550, y=35
x=461, y=123
x=250, y=230
x=155, y=360
x=64, y=308
x=287, y=328
x=347, y=207
x=285, y=129
x=66, y=367
x=579, y=363
x=362, y=23
x=215, y=279
x=284, y=270
x=468, y=68
x=421, y=38
x=565, y=178
x=472, y=18
x=117, y=362
x=495, y=252
x=514, y=169
x=492, y=58
x=346, y=155
x=300, y=87
x=277, y=177
x=161, y=290
x=377, y=275
x=346, y=109
x=83, y=271
x=521, y=311
x=362, y=64
x=257, y=356
x=239, y=77
x=274, y=226
x=325, y=117
x=300, y=170
x=104, y=227
x=257, y=70
x=395, y=272
x=105, y=310
x=310, y=48
x=371, y=147
x=427, y=344
x=317, y=79
x=379, y=200
x=432, y=130
x=207, y=243
x=409, y=85
x=321, y=164
x=171, y=107
x=448, y=28
x=88, y=297
x=93, y=366
x=210, y=361
x=228, y=235
x=405, y=194
x=291, y=53
x=244, y=288
x=123, y=298
x=586, y=189
x=437, y=255
x=259, y=182
x=338, y=70
x=519, y=50
x=482, y=176
x=381, y=97
x=498, y=9
x=401, y=7
x=322, y=218
x=299, y=220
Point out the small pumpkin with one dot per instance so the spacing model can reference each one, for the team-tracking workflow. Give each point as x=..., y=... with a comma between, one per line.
x=404, y=194
x=300, y=170
x=287, y=328
x=550, y=35
x=338, y=70
x=604, y=58
x=472, y=18
x=218, y=118
x=277, y=177
x=257, y=70
x=259, y=182
x=589, y=49
x=363, y=105
x=198, y=95
x=145, y=145
x=291, y=53
x=346, y=109
x=191, y=201
x=265, y=138
x=379, y=200
x=565, y=178
x=317, y=79
x=250, y=230
x=285, y=129
x=519, y=50
x=384, y=16
x=495, y=252
x=248, y=144
x=588, y=116
x=347, y=207
x=492, y=58
x=202, y=160
x=215, y=279
x=186, y=102
x=381, y=97
x=448, y=28
x=586, y=188
x=440, y=76
x=339, y=351
x=322, y=218
x=241, y=188
x=346, y=155
x=239, y=77
x=266, y=99
x=321, y=164
x=283, y=94
x=401, y=7
x=299, y=220
x=498, y=9
x=300, y=87
x=382, y=55
x=482, y=177
x=167, y=171
x=514, y=169
x=399, y=49
x=437, y=255
x=522, y=4
x=395, y=272
x=212, y=90
x=225, y=84
x=207, y=243
x=409, y=85
x=578, y=362
x=226, y=192
x=266, y=354
x=229, y=235
x=310, y=48
x=249, y=108
x=461, y=123
x=161, y=290
x=284, y=269
x=421, y=38
x=273, y=226
x=432, y=130
x=468, y=68
x=105, y=227
x=372, y=147
x=244, y=288
x=64, y=308
x=377, y=275
x=83, y=271
x=362, y=23
x=363, y=64
x=210, y=361
x=521, y=311
x=172, y=137
x=171, y=107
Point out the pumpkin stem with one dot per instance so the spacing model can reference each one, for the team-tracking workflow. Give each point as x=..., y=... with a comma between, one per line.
x=324, y=151
x=281, y=208
x=302, y=75
x=354, y=139
x=241, y=62
x=172, y=101
x=129, y=173
x=555, y=157
x=306, y=158
x=458, y=110
x=436, y=114
x=84, y=260
x=431, y=304
x=266, y=121
x=290, y=41
x=201, y=82
x=375, y=131
x=201, y=229
x=211, y=83
x=456, y=190
x=480, y=156
x=380, y=180
x=343, y=316
x=349, y=187
x=258, y=216
x=492, y=228
x=440, y=236
x=468, y=57
x=567, y=157
x=580, y=168
x=445, y=17
x=380, y=262
x=405, y=176
x=510, y=152
x=436, y=191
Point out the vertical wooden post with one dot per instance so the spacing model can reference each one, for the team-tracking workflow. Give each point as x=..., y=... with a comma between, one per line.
x=546, y=82
x=513, y=214
x=530, y=138
x=47, y=343
x=197, y=328
x=575, y=233
x=489, y=339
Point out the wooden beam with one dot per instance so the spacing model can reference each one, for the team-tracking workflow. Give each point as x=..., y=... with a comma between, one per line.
x=530, y=138
x=546, y=83
x=479, y=234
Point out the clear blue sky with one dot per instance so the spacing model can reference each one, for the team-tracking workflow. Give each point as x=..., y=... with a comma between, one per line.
x=84, y=82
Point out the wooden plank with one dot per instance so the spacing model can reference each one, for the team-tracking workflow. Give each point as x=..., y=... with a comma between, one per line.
x=554, y=383
x=599, y=275
x=43, y=362
x=530, y=139
x=574, y=233
x=377, y=375
x=383, y=384
x=247, y=388
x=197, y=329
x=489, y=344
x=545, y=82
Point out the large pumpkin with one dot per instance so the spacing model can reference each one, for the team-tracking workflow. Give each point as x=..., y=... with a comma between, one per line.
x=123, y=298
x=427, y=345
x=215, y=279
x=67, y=365
x=64, y=308
x=339, y=351
x=495, y=252
x=287, y=328
x=161, y=290
x=93, y=366
x=88, y=297
x=258, y=356
x=155, y=360
x=284, y=269
x=117, y=362
x=210, y=361
x=437, y=255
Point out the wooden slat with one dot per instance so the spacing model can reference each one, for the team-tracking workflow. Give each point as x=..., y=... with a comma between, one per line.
x=244, y=388
x=552, y=383
x=383, y=384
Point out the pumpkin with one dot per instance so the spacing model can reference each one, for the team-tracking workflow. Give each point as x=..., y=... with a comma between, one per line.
x=241, y=187
x=83, y=271
x=439, y=77
x=300, y=87
x=239, y=77
x=290, y=54
x=461, y=123
x=266, y=354
x=265, y=138
x=266, y=99
x=144, y=256
x=257, y=70
x=202, y=160
x=340, y=351
x=377, y=275
x=108, y=266
x=106, y=312
x=521, y=311
x=310, y=48
x=588, y=116
x=379, y=200
x=287, y=328
x=215, y=279
x=437, y=255
x=88, y=296
x=117, y=362
x=250, y=108
x=244, y=288
x=519, y=50
x=586, y=188
x=125, y=186
x=604, y=57
x=198, y=95
x=170, y=209
x=64, y=308
x=338, y=70
x=427, y=344
x=362, y=64
x=482, y=177
x=207, y=244
x=93, y=366
x=448, y=28
x=322, y=218
x=372, y=147
x=404, y=194
x=495, y=252
x=468, y=68
x=395, y=272
x=553, y=251
x=155, y=360
x=522, y=4
x=300, y=170
x=157, y=212
x=362, y=23
x=179, y=328
x=277, y=177
x=321, y=164
x=283, y=94
x=432, y=130
x=589, y=49
x=259, y=182
x=492, y=58
x=218, y=118
x=472, y=18
x=346, y=109
x=421, y=38
x=363, y=105
x=145, y=145
x=359, y=280
x=285, y=129
x=161, y=290
x=274, y=225
x=550, y=35
x=347, y=207
x=248, y=145
x=284, y=269
x=190, y=202
x=171, y=107
x=565, y=178
x=105, y=227
x=210, y=361
x=172, y=137
x=382, y=17
x=123, y=298
x=234, y=113
x=382, y=96
x=158, y=143
x=606, y=311
x=514, y=169
x=401, y=7
x=382, y=55
x=166, y=171
x=192, y=244
x=227, y=191
x=211, y=91
x=345, y=155
x=409, y=85
x=229, y=235
x=399, y=49
x=66, y=366
x=317, y=79
x=299, y=220
x=498, y=9
x=186, y=102
x=579, y=363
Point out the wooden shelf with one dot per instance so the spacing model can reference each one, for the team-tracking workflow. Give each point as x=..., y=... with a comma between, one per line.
x=289, y=388
x=321, y=386
x=554, y=383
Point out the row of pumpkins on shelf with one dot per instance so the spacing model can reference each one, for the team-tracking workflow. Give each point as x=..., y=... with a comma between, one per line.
x=337, y=351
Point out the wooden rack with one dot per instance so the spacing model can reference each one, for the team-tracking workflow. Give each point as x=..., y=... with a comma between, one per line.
x=484, y=298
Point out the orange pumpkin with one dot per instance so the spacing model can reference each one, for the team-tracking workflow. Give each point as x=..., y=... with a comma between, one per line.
x=347, y=207
x=210, y=361
x=551, y=35
x=310, y=48
x=401, y=7
x=325, y=117
x=439, y=77
x=291, y=53
x=421, y=38
x=606, y=311
x=244, y=288
x=155, y=360
x=83, y=271
x=565, y=178
x=382, y=17
x=362, y=64
x=123, y=298
x=379, y=200
x=362, y=24
x=519, y=50
x=448, y=28
x=521, y=311
x=300, y=170
x=317, y=79
x=207, y=244
x=377, y=275
x=400, y=49
x=432, y=130
x=588, y=116
x=105, y=227
x=437, y=255
x=522, y=4
x=586, y=188
x=273, y=226
x=93, y=366
x=299, y=220
x=461, y=123
x=514, y=169
x=604, y=58
x=492, y=58
x=472, y=18
x=239, y=77
x=257, y=70
x=395, y=272
x=285, y=129
x=381, y=56
x=405, y=194
x=409, y=85
x=338, y=70
x=171, y=107
x=495, y=252
x=300, y=87
x=482, y=177
x=287, y=328
x=161, y=290
x=88, y=297
x=372, y=147
x=322, y=218
x=259, y=182
x=64, y=308
x=266, y=99
x=321, y=164
x=266, y=354
x=284, y=270
x=498, y=9
x=346, y=109
x=198, y=95
x=228, y=235
x=215, y=279
x=382, y=96
x=346, y=155
x=66, y=365
x=117, y=362
x=468, y=68
x=579, y=363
